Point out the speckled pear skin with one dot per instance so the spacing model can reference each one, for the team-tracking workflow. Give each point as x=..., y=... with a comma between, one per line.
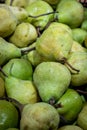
x=35, y=9
x=71, y=103
x=70, y=127
x=79, y=61
x=8, y=51
x=55, y=42
x=82, y=117
x=8, y=21
x=51, y=80
x=39, y=116
x=67, y=13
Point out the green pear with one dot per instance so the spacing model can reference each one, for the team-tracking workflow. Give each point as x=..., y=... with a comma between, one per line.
x=85, y=13
x=19, y=68
x=79, y=61
x=51, y=80
x=39, y=116
x=25, y=34
x=36, y=9
x=85, y=43
x=71, y=103
x=82, y=117
x=8, y=51
x=84, y=25
x=18, y=3
x=77, y=47
x=2, y=87
x=20, y=13
x=79, y=35
x=8, y=115
x=12, y=129
x=8, y=21
x=55, y=42
x=23, y=91
x=67, y=13
x=70, y=127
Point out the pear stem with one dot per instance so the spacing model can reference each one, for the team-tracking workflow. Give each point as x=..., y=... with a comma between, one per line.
x=53, y=12
x=11, y=2
x=81, y=91
x=27, y=50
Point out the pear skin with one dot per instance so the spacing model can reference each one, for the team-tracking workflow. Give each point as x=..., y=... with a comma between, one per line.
x=70, y=127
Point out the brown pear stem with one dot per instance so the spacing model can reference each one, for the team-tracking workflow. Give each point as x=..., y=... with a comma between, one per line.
x=53, y=12
x=11, y=2
x=81, y=91
x=15, y=102
x=27, y=50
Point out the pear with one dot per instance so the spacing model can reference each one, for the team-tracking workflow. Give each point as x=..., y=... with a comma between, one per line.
x=25, y=34
x=8, y=21
x=79, y=35
x=35, y=9
x=85, y=43
x=39, y=116
x=82, y=117
x=67, y=13
x=8, y=51
x=23, y=91
x=55, y=42
x=71, y=103
x=19, y=12
x=76, y=46
x=70, y=127
x=79, y=61
x=51, y=80
x=19, y=68
x=12, y=129
x=18, y=3
x=2, y=87
x=84, y=25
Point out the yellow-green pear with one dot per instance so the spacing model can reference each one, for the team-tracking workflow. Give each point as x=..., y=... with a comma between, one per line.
x=82, y=117
x=8, y=21
x=51, y=80
x=23, y=91
x=70, y=127
x=25, y=34
x=39, y=116
x=55, y=42
x=2, y=87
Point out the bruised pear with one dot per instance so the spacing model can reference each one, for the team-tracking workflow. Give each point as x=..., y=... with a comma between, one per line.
x=79, y=61
x=8, y=21
x=35, y=9
x=70, y=127
x=25, y=34
x=82, y=117
x=68, y=13
x=51, y=80
x=19, y=68
x=39, y=116
x=71, y=104
x=55, y=42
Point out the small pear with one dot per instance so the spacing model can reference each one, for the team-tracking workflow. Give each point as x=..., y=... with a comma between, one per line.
x=25, y=34
x=2, y=87
x=23, y=91
x=8, y=21
x=19, y=68
x=67, y=13
x=79, y=35
x=55, y=42
x=82, y=117
x=70, y=127
x=71, y=104
x=36, y=9
x=51, y=80
x=84, y=25
x=8, y=51
x=39, y=116
x=79, y=61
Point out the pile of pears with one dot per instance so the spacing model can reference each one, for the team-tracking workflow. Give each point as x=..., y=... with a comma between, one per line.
x=43, y=65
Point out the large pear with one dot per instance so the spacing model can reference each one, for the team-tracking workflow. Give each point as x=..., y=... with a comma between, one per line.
x=51, y=80
x=55, y=42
